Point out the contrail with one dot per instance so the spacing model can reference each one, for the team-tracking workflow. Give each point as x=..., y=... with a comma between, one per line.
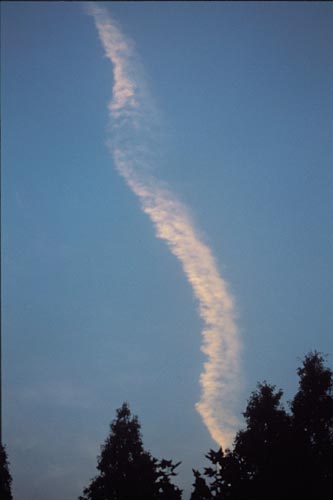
x=132, y=117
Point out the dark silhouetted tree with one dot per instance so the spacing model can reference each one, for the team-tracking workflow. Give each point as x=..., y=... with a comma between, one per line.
x=224, y=474
x=312, y=423
x=258, y=454
x=126, y=470
x=280, y=455
x=5, y=477
x=200, y=488
x=262, y=448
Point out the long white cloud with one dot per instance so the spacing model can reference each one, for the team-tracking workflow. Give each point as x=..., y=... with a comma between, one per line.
x=132, y=117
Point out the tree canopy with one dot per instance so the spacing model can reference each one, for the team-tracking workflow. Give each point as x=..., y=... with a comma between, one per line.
x=279, y=453
x=312, y=424
x=200, y=488
x=127, y=470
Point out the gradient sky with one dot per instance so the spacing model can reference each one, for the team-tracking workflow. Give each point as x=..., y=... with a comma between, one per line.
x=95, y=309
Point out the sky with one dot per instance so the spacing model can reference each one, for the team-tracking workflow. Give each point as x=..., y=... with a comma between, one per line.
x=235, y=126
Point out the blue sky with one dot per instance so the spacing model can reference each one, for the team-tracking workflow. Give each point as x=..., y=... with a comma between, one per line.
x=95, y=309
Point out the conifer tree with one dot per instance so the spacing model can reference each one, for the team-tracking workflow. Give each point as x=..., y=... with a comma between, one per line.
x=278, y=454
x=312, y=424
x=200, y=488
x=126, y=470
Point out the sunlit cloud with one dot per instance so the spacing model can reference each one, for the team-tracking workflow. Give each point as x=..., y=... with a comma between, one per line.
x=131, y=112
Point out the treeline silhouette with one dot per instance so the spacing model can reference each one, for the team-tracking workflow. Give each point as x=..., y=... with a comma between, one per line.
x=278, y=455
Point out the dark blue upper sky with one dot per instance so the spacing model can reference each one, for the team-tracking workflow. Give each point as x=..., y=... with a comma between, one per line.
x=95, y=309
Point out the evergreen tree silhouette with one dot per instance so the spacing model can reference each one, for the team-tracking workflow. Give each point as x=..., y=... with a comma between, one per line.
x=226, y=479
x=5, y=477
x=200, y=488
x=312, y=423
x=126, y=470
x=280, y=455
x=262, y=448
x=254, y=464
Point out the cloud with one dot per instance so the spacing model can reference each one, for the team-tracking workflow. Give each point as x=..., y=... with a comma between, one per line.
x=132, y=115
